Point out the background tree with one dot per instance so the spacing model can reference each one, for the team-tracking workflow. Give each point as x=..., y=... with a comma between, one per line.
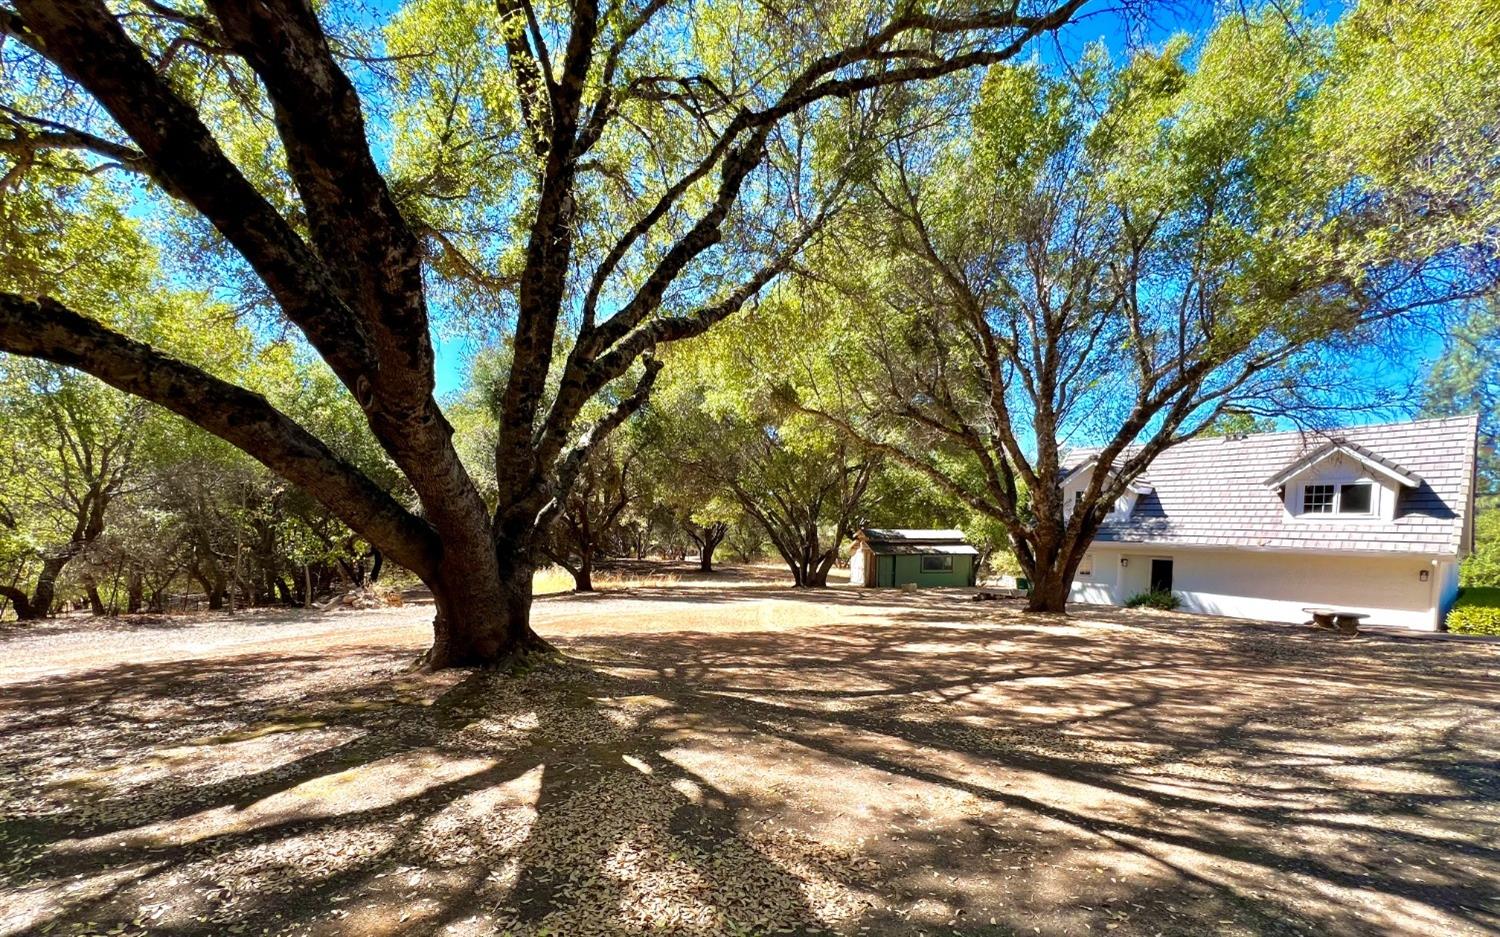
x=590, y=518
x=707, y=533
x=73, y=446
x=1466, y=379
x=685, y=505
x=71, y=451
x=745, y=541
x=1128, y=255
x=803, y=484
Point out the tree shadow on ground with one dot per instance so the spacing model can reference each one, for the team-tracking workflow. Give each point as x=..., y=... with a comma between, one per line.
x=938, y=769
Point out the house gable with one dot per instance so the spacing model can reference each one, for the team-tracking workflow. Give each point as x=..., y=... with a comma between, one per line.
x=1076, y=482
x=1338, y=488
x=1342, y=452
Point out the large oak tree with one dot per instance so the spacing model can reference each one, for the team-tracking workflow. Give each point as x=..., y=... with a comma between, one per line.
x=642, y=172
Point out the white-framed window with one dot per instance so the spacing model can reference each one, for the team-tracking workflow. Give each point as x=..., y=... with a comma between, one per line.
x=1317, y=499
x=1086, y=565
x=1356, y=499
x=941, y=563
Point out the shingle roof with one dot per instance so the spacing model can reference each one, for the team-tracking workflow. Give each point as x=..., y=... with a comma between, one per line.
x=1213, y=492
x=910, y=535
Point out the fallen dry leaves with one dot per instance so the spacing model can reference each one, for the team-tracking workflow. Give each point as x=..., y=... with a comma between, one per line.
x=766, y=763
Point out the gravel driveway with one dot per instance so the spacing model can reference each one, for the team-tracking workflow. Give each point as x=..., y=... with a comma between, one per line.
x=731, y=757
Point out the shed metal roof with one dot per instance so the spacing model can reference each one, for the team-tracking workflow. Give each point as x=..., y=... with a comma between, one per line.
x=910, y=535
x=1213, y=491
x=909, y=541
x=887, y=548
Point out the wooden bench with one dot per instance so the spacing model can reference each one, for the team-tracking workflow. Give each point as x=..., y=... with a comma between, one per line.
x=1334, y=619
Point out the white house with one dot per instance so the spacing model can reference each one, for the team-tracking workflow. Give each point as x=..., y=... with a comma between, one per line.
x=1370, y=518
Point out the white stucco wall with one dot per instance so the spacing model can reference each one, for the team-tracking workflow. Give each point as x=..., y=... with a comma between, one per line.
x=1277, y=586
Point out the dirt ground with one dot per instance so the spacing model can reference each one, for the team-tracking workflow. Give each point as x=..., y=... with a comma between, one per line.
x=733, y=757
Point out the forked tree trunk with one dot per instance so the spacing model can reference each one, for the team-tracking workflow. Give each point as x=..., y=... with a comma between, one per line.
x=815, y=572
x=45, y=593
x=1052, y=571
x=1049, y=592
x=483, y=613
x=211, y=577
x=708, y=541
x=583, y=573
x=809, y=571
x=96, y=601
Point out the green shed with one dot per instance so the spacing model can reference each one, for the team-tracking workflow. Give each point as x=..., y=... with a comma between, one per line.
x=894, y=557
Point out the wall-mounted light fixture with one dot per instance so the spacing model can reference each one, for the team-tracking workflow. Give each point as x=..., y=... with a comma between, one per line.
x=1124, y=561
x=1423, y=575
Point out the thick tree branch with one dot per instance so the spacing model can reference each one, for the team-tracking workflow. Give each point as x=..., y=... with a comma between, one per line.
x=535, y=88
x=84, y=40
x=46, y=329
x=353, y=218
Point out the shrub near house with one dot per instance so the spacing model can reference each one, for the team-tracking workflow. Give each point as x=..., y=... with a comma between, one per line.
x=1477, y=611
x=1163, y=601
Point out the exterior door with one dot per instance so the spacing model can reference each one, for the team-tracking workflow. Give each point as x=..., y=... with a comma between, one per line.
x=1161, y=575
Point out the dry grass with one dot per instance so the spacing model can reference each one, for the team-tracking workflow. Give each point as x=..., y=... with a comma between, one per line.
x=552, y=580
x=739, y=759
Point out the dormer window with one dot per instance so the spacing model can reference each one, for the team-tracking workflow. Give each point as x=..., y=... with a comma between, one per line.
x=1355, y=498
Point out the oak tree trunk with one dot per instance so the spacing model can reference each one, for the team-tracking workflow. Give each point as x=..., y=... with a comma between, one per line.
x=708, y=540
x=1053, y=565
x=135, y=591
x=96, y=601
x=483, y=612
x=815, y=573
x=583, y=573
x=211, y=577
x=1049, y=592
x=45, y=592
